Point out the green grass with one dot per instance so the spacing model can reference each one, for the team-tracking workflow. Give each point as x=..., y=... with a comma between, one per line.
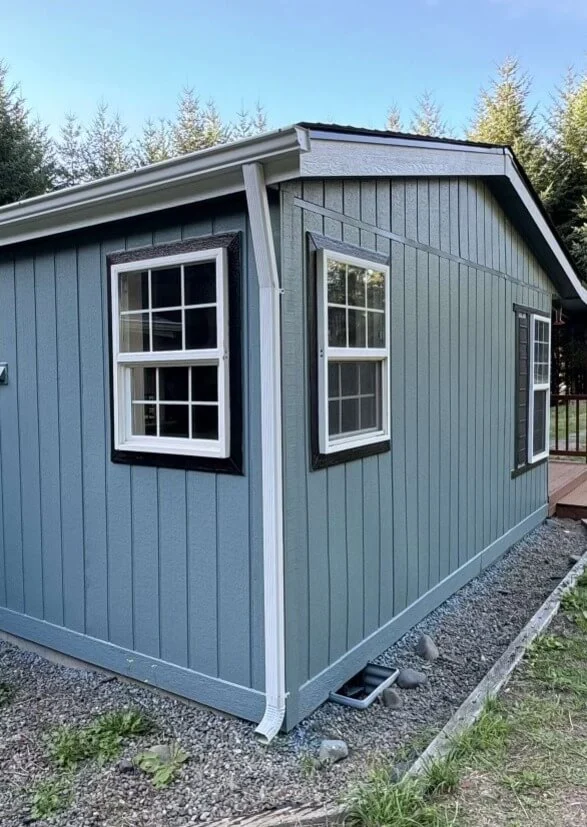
x=162, y=771
x=49, y=798
x=102, y=740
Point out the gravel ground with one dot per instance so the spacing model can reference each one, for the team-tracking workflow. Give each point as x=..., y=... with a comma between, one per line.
x=229, y=772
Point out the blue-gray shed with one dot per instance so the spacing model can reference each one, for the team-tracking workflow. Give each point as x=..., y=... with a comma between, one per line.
x=266, y=405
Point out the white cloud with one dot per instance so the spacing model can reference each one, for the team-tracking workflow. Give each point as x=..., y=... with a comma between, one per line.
x=576, y=9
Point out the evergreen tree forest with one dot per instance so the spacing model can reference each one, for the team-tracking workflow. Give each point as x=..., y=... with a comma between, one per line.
x=549, y=140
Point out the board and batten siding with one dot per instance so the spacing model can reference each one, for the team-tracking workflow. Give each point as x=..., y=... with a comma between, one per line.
x=153, y=572
x=371, y=546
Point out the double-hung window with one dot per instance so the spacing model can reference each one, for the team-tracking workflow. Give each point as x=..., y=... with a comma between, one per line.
x=170, y=354
x=532, y=387
x=353, y=351
x=539, y=418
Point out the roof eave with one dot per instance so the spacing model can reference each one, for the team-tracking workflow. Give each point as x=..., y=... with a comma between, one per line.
x=185, y=180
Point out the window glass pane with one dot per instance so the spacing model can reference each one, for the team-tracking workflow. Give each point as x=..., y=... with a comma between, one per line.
x=167, y=330
x=166, y=287
x=205, y=422
x=376, y=334
x=539, y=424
x=173, y=420
x=349, y=378
x=144, y=383
x=173, y=384
x=336, y=327
x=369, y=413
x=333, y=418
x=200, y=328
x=368, y=371
x=357, y=328
x=144, y=420
x=200, y=283
x=350, y=415
x=205, y=383
x=375, y=289
x=333, y=379
x=336, y=282
x=356, y=286
x=134, y=290
x=134, y=333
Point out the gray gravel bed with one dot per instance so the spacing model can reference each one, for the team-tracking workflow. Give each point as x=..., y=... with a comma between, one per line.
x=229, y=771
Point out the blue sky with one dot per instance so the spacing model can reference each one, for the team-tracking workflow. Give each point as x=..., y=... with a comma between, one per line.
x=303, y=59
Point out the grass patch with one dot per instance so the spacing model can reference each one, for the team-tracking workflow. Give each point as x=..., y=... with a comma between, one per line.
x=49, y=798
x=488, y=734
x=378, y=801
x=162, y=770
x=102, y=740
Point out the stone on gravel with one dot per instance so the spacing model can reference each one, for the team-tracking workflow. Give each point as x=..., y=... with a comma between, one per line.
x=392, y=699
x=411, y=679
x=125, y=765
x=427, y=649
x=332, y=751
x=161, y=751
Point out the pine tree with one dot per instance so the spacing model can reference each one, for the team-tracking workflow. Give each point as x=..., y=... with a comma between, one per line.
x=503, y=116
x=154, y=144
x=394, y=119
x=214, y=131
x=105, y=148
x=26, y=162
x=71, y=167
x=427, y=117
x=188, y=128
x=567, y=158
x=247, y=125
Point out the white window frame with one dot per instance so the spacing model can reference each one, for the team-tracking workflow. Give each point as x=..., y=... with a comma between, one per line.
x=122, y=362
x=538, y=386
x=326, y=354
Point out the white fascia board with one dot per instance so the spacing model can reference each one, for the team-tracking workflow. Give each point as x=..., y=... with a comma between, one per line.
x=201, y=175
x=525, y=196
x=331, y=157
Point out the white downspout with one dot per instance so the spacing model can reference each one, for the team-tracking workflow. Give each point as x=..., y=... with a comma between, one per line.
x=270, y=339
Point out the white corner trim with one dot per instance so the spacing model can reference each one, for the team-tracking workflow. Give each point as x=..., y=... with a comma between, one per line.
x=272, y=486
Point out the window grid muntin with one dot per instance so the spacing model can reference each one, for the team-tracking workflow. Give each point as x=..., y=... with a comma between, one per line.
x=122, y=395
x=328, y=353
x=365, y=309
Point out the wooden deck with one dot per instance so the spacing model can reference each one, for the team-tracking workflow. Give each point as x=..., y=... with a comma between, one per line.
x=567, y=489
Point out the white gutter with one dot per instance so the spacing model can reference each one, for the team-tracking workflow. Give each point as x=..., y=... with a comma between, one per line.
x=270, y=338
x=208, y=173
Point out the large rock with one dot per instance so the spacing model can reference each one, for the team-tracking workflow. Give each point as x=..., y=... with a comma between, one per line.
x=332, y=751
x=411, y=679
x=391, y=698
x=427, y=649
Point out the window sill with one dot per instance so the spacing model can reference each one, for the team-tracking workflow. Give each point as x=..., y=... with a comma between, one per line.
x=517, y=472
x=349, y=454
x=185, y=462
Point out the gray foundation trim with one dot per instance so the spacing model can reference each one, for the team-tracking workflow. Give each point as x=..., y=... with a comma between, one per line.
x=213, y=692
x=313, y=693
x=409, y=242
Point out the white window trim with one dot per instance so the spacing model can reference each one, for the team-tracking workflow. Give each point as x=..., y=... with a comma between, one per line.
x=124, y=440
x=538, y=386
x=328, y=444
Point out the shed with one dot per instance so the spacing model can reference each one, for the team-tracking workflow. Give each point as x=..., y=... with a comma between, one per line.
x=263, y=407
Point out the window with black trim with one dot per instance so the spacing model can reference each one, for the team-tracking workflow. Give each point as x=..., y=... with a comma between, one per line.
x=353, y=351
x=532, y=387
x=171, y=360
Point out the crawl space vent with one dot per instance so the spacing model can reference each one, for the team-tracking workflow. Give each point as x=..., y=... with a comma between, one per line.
x=362, y=689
